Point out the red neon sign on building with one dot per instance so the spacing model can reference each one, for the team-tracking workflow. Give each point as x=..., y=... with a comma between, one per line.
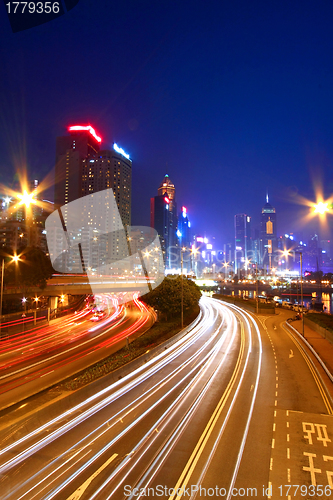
x=89, y=128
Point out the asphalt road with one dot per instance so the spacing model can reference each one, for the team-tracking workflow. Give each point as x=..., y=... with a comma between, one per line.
x=231, y=408
x=32, y=362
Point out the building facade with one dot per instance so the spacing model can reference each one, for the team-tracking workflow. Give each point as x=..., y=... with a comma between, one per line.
x=268, y=239
x=163, y=218
x=243, y=242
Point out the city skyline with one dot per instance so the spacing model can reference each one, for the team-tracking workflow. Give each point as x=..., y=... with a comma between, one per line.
x=227, y=116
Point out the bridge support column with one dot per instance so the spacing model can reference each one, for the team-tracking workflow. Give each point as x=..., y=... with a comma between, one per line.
x=53, y=303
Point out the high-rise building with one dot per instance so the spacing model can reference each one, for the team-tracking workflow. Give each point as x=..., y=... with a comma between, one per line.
x=267, y=234
x=81, y=171
x=163, y=218
x=110, y=169
x=243, y=241
x=82, y=143
x=184, y=229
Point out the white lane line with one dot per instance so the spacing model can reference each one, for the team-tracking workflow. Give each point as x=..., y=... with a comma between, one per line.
x=81, y=489
x=273, y=443
x=288, y=452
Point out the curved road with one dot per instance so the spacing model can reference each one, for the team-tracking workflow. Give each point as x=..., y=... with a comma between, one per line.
x=227, y=408
x=32, y=362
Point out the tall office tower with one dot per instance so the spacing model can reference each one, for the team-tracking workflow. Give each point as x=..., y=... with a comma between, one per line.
x=243, y=241
x=167, y=188
x=110, y=169
x=163, y=218
x=267, y=234
x=184, y=229
x=82, y=142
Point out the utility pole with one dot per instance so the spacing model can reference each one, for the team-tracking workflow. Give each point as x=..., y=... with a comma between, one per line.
x=182, y=289
x=301, y=263
x=2, y=273
x=257, y=303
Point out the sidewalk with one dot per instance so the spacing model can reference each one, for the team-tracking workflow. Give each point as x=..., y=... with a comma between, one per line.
x=323, y=347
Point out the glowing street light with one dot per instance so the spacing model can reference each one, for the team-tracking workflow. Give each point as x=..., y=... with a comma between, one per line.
x=15, y=258
x=26, y=198
x=321, y=208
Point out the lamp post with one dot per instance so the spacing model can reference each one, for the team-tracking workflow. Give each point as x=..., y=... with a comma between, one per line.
x=15, y=258
x=181, y=288
x=2, y=273
x=301, y=265
x=257, y=303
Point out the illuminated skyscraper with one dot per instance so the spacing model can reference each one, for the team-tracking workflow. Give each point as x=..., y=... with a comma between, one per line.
x=110, y=169
x=70, y=151
x=243, y=241
x=267, y=234
x=163, y=218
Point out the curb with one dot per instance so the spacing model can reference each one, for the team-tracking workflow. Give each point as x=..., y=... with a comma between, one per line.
x=320, y=361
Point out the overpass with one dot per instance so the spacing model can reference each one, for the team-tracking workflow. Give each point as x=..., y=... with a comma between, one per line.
x=80, y=285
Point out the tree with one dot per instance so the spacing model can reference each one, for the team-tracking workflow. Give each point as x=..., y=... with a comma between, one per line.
x=33, y=268
x=166, y=298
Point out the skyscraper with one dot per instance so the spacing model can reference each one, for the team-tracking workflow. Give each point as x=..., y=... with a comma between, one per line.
x=82, y=171
x=70, y=151
x=163, y=218
x=110, y=169
x=243, y=241
x=267, y=234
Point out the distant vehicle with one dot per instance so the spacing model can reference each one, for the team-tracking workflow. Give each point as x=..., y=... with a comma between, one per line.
x=299, y=308
x=97, y=316
x=286, y=304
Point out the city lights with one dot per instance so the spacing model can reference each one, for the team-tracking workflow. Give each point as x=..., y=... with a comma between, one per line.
x=26, y=198
x=89, y=128
x=321, y=208
x=121, y=151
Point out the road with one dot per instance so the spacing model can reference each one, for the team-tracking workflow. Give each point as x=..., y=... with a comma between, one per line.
x=36, y=360
x=231, y=408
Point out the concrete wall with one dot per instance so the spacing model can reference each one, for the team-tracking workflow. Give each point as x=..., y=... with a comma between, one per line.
x=326, y=334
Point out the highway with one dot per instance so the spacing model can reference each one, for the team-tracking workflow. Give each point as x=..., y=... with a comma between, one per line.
x=41, y=358
x=232, y=407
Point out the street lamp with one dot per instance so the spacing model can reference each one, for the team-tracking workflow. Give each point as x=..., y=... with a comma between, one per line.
x=15, y=258
x=182, y=287
x=257, y=298
x=321, y=208
x=301, y=265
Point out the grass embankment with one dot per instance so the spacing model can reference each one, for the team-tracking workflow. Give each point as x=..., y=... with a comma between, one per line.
x=157, y=334
x=321, y=319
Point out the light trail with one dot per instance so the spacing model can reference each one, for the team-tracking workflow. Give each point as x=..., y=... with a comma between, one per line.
x=184, y=373
x=38, y=445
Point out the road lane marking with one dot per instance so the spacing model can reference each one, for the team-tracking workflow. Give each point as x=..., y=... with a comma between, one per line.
x=273, y=443
x=81, y=489
x=313, y=372
x=192, y=461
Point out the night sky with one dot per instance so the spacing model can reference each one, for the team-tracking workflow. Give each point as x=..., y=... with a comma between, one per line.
x=230, y=98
